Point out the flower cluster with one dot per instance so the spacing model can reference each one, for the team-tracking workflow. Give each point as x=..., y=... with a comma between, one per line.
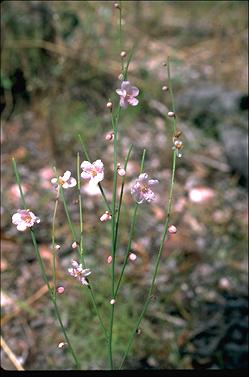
x=24, y=219
x=79, y=273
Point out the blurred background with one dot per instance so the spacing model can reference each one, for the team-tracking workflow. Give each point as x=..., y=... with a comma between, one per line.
x=60, y=64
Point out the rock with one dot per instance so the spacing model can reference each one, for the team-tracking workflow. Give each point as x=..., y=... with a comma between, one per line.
x=207, y=104
x=235, y=140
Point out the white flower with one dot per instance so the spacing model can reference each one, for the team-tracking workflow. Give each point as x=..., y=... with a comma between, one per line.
x=94, y=172
x=79, y=273
x=24, y=219
x=65, y=181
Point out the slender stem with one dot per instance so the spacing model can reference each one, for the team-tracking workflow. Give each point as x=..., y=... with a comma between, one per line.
x=80, y=210
x=53, y=246
x=165, y=231
x=43, y=271
x=82, y=258
x=99, y=184
x=133, y=222
x=121, y=194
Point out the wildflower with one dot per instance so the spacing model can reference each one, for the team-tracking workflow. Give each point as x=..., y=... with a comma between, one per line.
x=121, y=171
x=132, y=257
x=172, y=229
x=127, y=94
x=106, y=216
x=178, y=145
x=65, y=181
x=109, y=259
x=79, y=273
x=109, y=136
x=112, y=302
x=60, y=290
x=141, y=190
x=74, y=245
x=94, y=172
x=24, y=219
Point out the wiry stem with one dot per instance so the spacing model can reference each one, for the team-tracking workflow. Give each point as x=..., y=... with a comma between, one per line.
x=43, y=271
x=165, y=231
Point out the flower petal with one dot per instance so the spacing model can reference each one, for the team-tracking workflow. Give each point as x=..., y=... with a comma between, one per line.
x=153, y=182
x=135, y=91
x=22, y=226
x=16, y=218
x=98, y=164
x=66, y=175
x=132, y=101
x=86, y=165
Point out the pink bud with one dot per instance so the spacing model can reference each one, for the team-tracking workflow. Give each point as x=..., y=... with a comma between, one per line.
x=60, y=290
x=112, y=302
x=105, y=217
x=109, y=136
x=172, y=229
x=109, y=259
x=132, y=257
x=121, y=172
x=74, y=245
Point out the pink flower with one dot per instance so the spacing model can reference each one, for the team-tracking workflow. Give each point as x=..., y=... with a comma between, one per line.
x=105, y=217
x=24, y=219
x=127, y=94
x=65, y=181
x=141, y=190
x=94, y=172
x=79, y=273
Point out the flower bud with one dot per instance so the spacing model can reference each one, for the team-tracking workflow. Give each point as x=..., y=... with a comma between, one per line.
x=57, y=247
x=171, y=114
x=112, y=302
x=132, y=257
x=109, y=136
x=74, y=245
x=116, y=5
x=121, y=77
x=165, y=88
x=105, y=217
x=109, y=259
x=123, y=54
x=61, y=344
x=172, y=229
x=60, y=290
x=109, y=105
x=178, y=133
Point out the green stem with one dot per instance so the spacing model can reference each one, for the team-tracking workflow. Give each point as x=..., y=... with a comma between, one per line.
x=165, y=231
x=43, y=271
x=80, y=211
x=133, y=222
x=53, y=246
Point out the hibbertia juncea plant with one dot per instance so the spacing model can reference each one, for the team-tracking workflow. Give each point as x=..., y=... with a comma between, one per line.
x=92, y=170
